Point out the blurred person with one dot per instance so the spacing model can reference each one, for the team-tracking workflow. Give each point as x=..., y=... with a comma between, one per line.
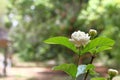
x=2, y=64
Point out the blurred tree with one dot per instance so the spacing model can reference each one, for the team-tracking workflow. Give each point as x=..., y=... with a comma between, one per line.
x=2, y=12
x=104, y=15
x=32, y=21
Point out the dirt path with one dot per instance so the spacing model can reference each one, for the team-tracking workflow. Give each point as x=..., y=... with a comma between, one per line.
x=39, y=73
x=33, y=73
x=29, y=71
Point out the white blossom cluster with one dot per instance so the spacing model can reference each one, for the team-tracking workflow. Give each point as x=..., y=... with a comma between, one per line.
x=79, y=38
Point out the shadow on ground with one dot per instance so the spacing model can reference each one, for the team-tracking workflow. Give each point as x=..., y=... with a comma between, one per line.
x=49, y=75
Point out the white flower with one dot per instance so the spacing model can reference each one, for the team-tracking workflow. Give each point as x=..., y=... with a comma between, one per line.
x=79, y=38
x=112, y=72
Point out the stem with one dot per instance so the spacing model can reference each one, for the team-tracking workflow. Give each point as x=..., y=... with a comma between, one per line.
x=78, y=56
x=88, y=70
x=110, y=78
x=77, y=62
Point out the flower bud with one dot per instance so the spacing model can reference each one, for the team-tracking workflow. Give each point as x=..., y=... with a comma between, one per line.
x=112, y=72
x=92, y=32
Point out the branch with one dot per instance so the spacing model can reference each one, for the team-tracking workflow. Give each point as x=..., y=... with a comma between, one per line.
x=92, y=58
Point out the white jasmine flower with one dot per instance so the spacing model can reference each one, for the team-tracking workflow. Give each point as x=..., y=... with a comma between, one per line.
x=79, y=38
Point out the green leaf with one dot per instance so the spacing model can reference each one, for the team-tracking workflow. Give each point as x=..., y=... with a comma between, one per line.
x=70, y=69
x=98, y=44
x=62, y=41
x=91, y=69
x=99, y=78
x=81, y=70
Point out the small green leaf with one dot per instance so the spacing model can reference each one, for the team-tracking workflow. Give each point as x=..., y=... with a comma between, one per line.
x=81, y=70
x=62, y=41
x=98, y=44
x=103, y=48
x=91, y=69
x=70, y=69
x=99, y=78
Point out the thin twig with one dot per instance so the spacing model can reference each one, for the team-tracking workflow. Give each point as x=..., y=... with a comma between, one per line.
x=88, y=70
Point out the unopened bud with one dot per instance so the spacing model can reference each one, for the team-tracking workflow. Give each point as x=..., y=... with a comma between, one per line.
x=92, y=32
x=112, y=72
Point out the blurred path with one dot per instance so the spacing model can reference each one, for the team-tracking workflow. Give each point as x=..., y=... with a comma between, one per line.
x=40, y=73
x=29, y=71
x=33, y=73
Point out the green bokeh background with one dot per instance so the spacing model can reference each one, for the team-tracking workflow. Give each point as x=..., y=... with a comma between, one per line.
x=30, y=22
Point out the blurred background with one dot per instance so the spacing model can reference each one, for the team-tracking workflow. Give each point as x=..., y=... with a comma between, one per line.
x=27, y=23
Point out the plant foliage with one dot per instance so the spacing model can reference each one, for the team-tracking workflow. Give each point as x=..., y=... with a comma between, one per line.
x=61, y=41
x=98, y=44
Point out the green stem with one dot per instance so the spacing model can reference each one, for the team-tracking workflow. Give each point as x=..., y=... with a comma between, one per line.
x=78, y=56
x=78, y=60
x=110, y=78
x=88, y=70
